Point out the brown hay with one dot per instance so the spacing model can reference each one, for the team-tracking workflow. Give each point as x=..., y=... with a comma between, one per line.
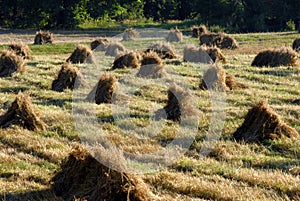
x=99, y=44
x=43, y=37
x=216, y=54
x=164, y=50
x=128, y=60
x=130, y=34
x=262, y=123
x=10, y=63
x=197, y=31
x=284, y=56
x=175, y=35
x=214, y=78
x=151, y=58
x=231, y=82
x=152, y=71
x=296, y=44
x=191, y=53
x=83, y=177
x=81, y=54
x=103, y=91
x=219, y=40
x=21, y=50
x=114, y=49
x=22, y=113
x=66, y=78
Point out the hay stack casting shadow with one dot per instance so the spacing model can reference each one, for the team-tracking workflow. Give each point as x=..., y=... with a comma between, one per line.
x=214, y=79
x=296, y=44
x=151, y=66
x=163, y=49
x=128, y=60
x=284, y=56
x=99, y=44
x=43, y=37
x=21, y=50
x=66, y=78
x=262, y=123
x=114, y=49
x=81, y=54
x=23, y=114
x=83, y=177
x=11, y=63
x=103, y=91
x=175, y=35
x=130, y=34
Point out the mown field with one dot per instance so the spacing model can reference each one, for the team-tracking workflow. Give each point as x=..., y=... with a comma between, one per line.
x=231, y=171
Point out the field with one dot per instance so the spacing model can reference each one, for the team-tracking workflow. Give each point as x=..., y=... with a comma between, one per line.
x=231, y=170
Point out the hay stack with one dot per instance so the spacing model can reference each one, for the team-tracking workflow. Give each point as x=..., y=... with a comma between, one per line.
x=262, y=123
x=175, y=35
x=202, y=54
x=103, y=91
x=81, y=54
x=10, y=63
x=130, y=34
x=43, y=37
x=22, y=113
x=114, y=49
x=232, y=84
x=83, y=177
x=227, y=42
x=164, y=50
x=66, y=78
x=284, y=56
x=215, y=54
x=21, y=50
x=128, y=60
x=296, y=44
x=151, y=66
x=197, y=31
x=219, y=40
x=99, y=44
x=214, y=79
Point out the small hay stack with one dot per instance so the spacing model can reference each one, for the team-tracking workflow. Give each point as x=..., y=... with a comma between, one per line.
x=66, y=78
x=21, y=49
x=103, y=91
x=164, y=50
x=82, y=177
x=99, y=44
x=81, y=54
x=114, y=49
x=284, y=56
x=191, y=53
x=296, y=44
x=215, y=54
x=175, y=35
x=130, y=34
x=209, y=39
x=22, y=113
x=43, y=37
x=10, y=63
x=262, y=123
x=214, y=79
x=227, y=42
x=197, y=31
x=232, y=84
x=220, y=40
x=128, y=60
x=151, y=66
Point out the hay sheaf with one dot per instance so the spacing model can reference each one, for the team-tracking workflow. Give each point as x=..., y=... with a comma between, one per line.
x=151, y=58
x=262, y=123
x=99, y=44
x=128, y=60
x=175, y=35
x=152, y=66
x=203, y=54
x=43, y=37
x=220, y=40
x=114, y=49
x=197, y=31
x=214, y=79
x=82, y=177
x=130, y=34
x=232, y=84
x=66, y=78
x=10, y=63
x=215, y=54
x=103, y=91
x=21, y=49
x=22, y=113
x=81, y=54
x=284, y=56
x=296, y=44
x=164, y=50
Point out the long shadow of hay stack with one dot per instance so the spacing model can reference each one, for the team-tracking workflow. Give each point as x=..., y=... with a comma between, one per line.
x=22, y=113
x=130, y=34
x=220, y=40
x=284, y=56
x=21, y=50
x=103, y=91
x=10, y=63
x=197, y=31
x=99, y=44
x=83, y=177
x=296, y=44
x=151, y=66
x=43, y=37
x=202, y=54
x=66, y=78
x=262, y=123
x=128, y=60
x=175, y=35
x=114, y=49
x=164, y=50
x=81, y=54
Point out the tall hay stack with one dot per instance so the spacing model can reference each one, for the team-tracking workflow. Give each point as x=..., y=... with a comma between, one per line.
x=99, y=44
x=10, y=63
x=21, y=49
x=284, y=56
x=296, y=44
x=128, y=60
x=130, y=34
x=114, y=49
x=43, y=37
x=175, y=35
x=163, y=49
x=214, y=79
x=81, y=54
x=151, y=66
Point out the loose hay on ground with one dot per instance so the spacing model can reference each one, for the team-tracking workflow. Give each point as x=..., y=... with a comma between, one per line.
x=163, y=49
x=130, y=34
x=21, y=50
x=214, y=79
x=10, y=63
x=99, y=44
x=175, y=35
x=43, y=37
x=114, y=49
x=81, y=54
x=128, y=60
x=296, y=44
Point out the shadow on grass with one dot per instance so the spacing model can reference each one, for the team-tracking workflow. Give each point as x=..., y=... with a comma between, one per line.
x=14, y=90
x=42, y=195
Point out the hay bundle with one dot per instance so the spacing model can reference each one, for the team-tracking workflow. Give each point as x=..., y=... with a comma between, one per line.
x=83, y=177
x=151, y=66
x=197, y=31
x=151, y=58
x=99, y=44
x=81, y=54
x=113, y=49
x=66, y=78
x=227, y=42
x=191, y=53
x=262, y=123
x=209, y=39
x=284, y=56
x=130, y=34
x=10, y=63
x=21, y=50
x=164, y=50
x=175, y=35
x=215, y=54
x=296, y=44
x=128, y=60
x=219, y=40
x=22, y=113
x=214, y=79
x=43, y=37
x=103, y=91
x=231, y=82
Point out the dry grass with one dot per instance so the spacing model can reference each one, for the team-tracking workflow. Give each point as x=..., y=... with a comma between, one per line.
x=11, y=63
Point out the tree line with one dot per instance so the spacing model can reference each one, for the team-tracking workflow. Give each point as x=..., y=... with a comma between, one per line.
x=233, y=15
